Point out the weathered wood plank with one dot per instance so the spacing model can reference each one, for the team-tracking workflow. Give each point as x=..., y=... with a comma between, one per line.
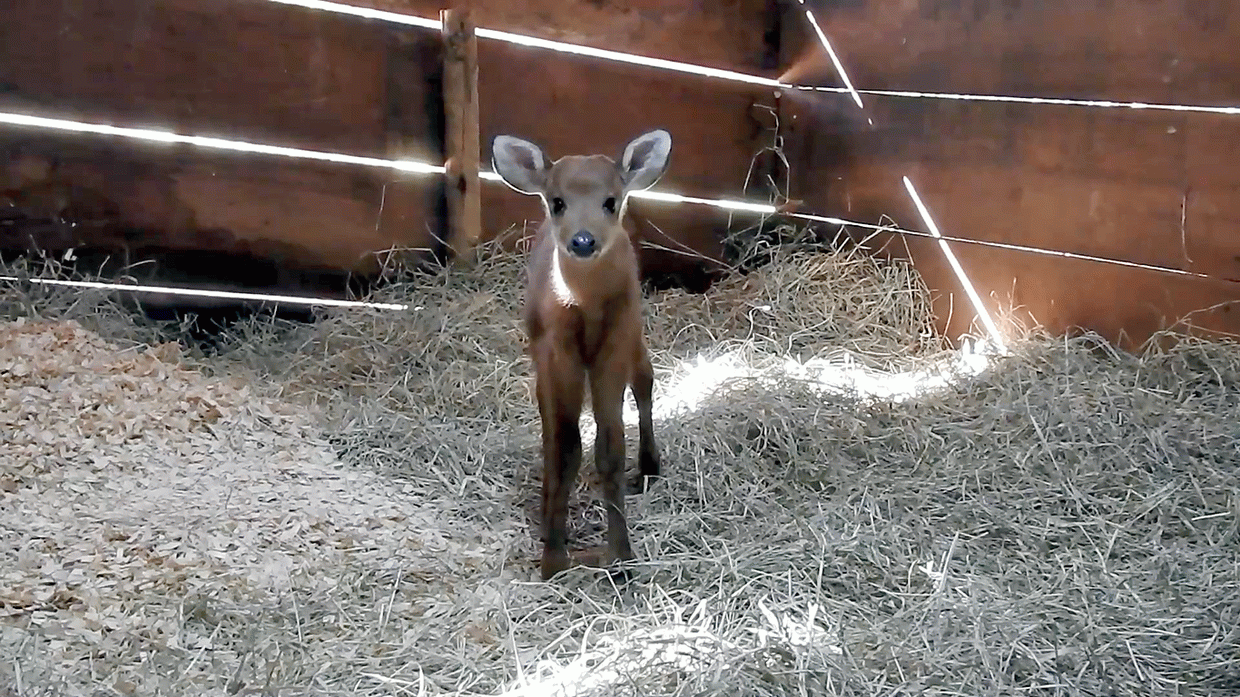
x=1118, y=184
x=1123, y=304
x=125, y=197
x=241, y=69
x=1177, y=51
x=582, y=106
x=724, y=34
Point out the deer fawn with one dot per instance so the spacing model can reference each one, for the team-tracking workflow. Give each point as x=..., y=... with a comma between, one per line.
x=583, y=320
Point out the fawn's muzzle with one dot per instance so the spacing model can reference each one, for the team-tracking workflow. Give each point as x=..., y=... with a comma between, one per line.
x=582, y=245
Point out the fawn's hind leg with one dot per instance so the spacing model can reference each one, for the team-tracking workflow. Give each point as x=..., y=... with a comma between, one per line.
x=649, y=465
x=607, y=383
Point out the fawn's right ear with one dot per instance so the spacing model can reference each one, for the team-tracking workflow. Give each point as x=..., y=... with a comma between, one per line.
x=520, y=163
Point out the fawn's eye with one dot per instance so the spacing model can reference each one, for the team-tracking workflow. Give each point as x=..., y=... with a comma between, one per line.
x=557, y=205
x=610, y=205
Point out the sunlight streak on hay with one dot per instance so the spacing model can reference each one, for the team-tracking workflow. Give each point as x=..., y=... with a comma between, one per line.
x=695, y=381
x=666, y=646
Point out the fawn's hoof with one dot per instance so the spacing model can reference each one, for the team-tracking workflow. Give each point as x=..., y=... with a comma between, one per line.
x=642, y=482
x=620, y=575
x=553, y=563
x=601, y=558
x=650, y=469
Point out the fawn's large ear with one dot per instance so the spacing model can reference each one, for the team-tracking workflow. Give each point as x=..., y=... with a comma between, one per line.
x=645, y=160
x=521, y=164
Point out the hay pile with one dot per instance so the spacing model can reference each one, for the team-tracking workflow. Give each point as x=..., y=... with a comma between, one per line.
x=1063, y=523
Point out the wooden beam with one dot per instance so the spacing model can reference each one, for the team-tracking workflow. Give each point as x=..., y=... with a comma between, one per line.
x=462, y=139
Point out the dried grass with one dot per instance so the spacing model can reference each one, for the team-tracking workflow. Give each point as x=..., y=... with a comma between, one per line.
x=1063, y=524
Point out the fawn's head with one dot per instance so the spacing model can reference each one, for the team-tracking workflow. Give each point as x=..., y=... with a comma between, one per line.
x=584, y=195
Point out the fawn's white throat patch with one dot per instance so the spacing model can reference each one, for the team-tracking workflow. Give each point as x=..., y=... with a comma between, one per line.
x=559, y=284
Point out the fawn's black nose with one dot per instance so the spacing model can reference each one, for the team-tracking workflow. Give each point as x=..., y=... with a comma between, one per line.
x=582, y=244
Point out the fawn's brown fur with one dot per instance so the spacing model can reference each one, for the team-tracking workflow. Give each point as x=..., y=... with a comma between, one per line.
x=583, y=319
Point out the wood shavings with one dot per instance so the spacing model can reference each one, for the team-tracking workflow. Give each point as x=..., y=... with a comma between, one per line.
x=129, y=476
x=66, y=391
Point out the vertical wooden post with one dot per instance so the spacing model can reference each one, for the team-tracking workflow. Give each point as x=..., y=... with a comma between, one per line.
x=462, y=139
x=772, y=35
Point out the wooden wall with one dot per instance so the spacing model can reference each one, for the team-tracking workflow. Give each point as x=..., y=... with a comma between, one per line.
x=271, y=73
x=1152, y=187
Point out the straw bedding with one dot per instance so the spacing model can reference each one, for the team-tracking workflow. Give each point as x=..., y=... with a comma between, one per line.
x=347, y=507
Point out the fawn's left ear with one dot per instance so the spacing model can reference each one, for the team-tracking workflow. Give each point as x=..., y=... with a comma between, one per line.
x=645, y=159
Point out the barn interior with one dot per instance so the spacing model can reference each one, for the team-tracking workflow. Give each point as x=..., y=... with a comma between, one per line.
x=940, y=297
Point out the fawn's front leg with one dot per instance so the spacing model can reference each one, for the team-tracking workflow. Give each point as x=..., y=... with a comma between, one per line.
x=560, y=384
